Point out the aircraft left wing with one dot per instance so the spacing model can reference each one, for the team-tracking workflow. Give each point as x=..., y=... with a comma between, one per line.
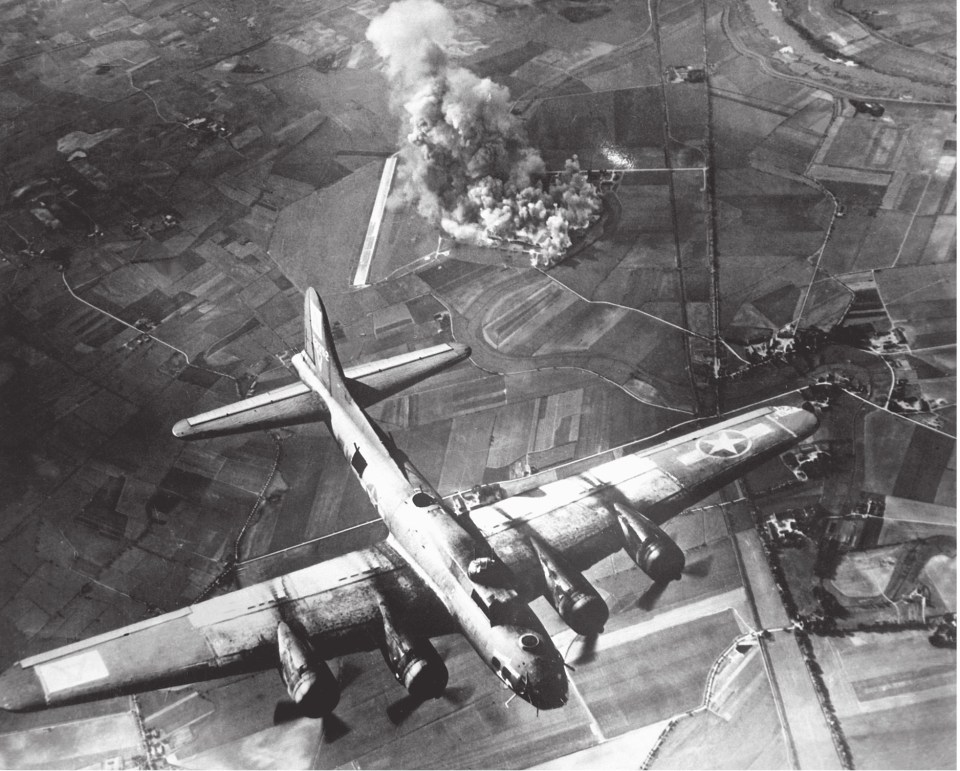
x=296, y=403
x=336, y=604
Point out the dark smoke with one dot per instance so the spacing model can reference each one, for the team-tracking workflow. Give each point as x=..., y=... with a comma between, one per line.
x=466, y=160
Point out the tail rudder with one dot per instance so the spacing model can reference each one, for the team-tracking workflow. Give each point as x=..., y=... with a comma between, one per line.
x=318, y=345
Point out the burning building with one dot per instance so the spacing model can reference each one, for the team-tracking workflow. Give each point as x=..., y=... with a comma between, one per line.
x=466, y=159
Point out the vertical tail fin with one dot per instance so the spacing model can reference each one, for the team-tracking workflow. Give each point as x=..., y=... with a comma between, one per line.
x=318, y=346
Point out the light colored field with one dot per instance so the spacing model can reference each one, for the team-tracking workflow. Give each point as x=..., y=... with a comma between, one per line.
x=510, y=433
x=390, y=318
x=657, y=674
x=459, y=398
x=806, y=722
x=72, y=744
x=560, y=422
x=466, y=454
x=917, y=735
x=918, y=283
x=900, y=531
x=895, y=695
x=524, y=312
x=941, y=572
x=918, y=511
x=942, y=237
x=318, y=239
x=587, y=332
x=944, y=388
x=620, y=752
x=276, y=747
x=746, y=734
x=866, y=574
x=698, y=528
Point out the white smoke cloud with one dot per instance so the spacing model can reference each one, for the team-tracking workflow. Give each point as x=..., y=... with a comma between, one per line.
x=467, y=162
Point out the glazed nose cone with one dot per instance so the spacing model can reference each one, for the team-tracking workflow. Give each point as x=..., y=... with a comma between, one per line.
x=548, y=688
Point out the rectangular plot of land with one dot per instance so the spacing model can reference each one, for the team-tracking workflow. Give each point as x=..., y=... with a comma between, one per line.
x=853, y=143
x=655, y=676
x=390, y=319
x=915, y=511
x=452, y=274
x=885, y=442
x=457, y=399
x=584, y=330
x=467, y=450
x=918, y=283
x=525, y=320
x=509, y=441
x=942, y=244
x=917, y=736
x=932, y=333
x=926, y=460
x=910, y=681
x=551, y=456
x=491, y=393
x=748, y=735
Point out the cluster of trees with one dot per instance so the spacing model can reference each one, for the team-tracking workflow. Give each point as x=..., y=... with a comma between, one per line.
x=823, y=694
x=829, y=553
x=655, y=749
x=806, y=647
x=945, y=633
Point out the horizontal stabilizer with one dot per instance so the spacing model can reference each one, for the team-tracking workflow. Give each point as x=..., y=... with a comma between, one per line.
x=297, y=403
x=377, y=380
x=284, y=406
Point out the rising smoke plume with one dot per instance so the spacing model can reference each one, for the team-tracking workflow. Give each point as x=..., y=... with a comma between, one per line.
x=466, y=160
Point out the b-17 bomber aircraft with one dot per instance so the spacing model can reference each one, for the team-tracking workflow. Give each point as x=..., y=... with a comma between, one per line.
x=439, y=570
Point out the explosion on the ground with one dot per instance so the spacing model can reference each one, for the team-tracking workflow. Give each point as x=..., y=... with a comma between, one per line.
x=466, y=160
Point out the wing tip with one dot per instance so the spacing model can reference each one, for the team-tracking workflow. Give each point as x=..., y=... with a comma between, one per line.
x=21, y=690
x=462, y=350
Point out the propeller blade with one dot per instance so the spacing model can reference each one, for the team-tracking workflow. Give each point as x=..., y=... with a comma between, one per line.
x=334, y=728
x=700, y=568
x=286, y=711
x=403, y=708
x=587, y=651
x=649, y=598
x=458, y=695
x=347, y=673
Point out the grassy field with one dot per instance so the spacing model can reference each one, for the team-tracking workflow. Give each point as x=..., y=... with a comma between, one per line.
x=655, y=677
x=922, y=299
x=866, y=574
x=745, y=735
x=905, y=460
x=318, y=239
x=895, y=695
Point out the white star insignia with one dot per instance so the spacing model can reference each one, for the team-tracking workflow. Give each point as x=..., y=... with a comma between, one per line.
x=726, y=444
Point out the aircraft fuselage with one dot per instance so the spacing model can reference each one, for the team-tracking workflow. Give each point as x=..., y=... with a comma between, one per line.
x=503, y=630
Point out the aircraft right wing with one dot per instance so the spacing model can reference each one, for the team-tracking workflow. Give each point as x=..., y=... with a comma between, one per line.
x=589, y=515
x=336, y=604
x=296, y=403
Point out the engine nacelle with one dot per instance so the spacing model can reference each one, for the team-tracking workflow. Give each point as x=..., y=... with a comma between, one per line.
x=414, y=661
x=571, y=595
x=651, y=549
x=309, y=681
